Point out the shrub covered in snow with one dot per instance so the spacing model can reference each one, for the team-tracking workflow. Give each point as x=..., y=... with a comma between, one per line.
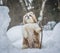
x=4, y=23
x=56, y=33
x=4, y=19
x=50, y=25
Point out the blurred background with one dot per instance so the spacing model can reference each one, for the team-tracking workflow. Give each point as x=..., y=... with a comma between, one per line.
x=20, y=7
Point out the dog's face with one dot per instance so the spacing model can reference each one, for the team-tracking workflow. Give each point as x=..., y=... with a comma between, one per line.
x=29, y=18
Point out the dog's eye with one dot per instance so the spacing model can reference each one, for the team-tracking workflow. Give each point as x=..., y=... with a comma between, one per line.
x=27, y=17
x=30, y=15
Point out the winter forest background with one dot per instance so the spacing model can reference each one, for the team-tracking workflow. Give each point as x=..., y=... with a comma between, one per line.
x=11, y=17
x=51, y=10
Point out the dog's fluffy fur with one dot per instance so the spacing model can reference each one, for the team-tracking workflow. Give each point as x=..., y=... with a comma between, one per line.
x=31, y=31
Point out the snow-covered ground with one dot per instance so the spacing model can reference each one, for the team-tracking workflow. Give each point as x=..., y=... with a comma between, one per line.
x=51, y=39
x=11, y=40
x=50, y=25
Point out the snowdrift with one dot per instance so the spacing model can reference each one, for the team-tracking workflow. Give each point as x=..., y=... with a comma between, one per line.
x=15, y=35
x=50, y=38
x=4, y=19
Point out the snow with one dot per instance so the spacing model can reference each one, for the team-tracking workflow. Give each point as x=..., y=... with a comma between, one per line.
x=12, y=42
x=15, y=32
x=4, y=23
x=50, y=25
x=4, y=19
x=46, y=35
x=54, y=40
x=50, y=44
x=15, y=36
x=56, y=35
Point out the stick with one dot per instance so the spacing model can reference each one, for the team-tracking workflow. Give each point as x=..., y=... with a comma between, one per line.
x=41, y=15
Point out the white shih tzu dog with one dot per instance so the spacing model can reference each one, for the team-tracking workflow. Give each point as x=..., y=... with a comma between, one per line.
x=31, y=30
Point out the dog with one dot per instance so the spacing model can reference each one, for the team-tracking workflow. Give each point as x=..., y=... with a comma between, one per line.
x=31, y=30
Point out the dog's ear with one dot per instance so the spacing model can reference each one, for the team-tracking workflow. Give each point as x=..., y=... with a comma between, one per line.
x=24, y=20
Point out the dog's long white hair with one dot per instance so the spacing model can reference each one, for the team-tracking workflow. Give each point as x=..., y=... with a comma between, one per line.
x=29, y=18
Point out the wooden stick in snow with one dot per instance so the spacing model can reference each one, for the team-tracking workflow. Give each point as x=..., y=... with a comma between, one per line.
x=41, y=15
